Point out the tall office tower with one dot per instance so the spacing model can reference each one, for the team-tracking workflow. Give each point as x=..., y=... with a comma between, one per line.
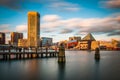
x=2, y=38
x=14, y=38
x=33, y=29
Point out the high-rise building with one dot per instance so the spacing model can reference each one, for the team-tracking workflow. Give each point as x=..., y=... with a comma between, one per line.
x=14, y=38
x=33, y=29
x=2, y=38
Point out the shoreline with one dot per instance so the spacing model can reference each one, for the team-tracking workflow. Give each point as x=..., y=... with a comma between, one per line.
x=88, y=50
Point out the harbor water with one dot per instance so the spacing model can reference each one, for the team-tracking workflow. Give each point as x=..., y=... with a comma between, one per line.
x=79, y=65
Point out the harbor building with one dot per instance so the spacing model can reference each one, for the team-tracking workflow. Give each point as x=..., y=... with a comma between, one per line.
x=85, y=43
x=14, y=38
x=46, y=41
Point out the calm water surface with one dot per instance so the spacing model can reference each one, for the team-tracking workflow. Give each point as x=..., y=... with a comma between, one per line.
x=80, y=65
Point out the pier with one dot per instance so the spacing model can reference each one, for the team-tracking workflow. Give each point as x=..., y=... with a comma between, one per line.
x=26, y=54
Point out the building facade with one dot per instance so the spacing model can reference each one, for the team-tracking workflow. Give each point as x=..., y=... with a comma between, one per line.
x=33, y=29
x=46, y=41
x=75, y=38
x=72, y=44
x=95, y=44
x=14, y=38
x=2, y=38
x=85, y=43
x=22, y=43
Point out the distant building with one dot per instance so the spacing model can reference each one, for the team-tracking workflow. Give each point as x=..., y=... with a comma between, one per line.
x=106, y=45
x=74, y=38
x=7, y=38
x=72, y=44
x=116, y=44
x=22, y=43
x=46, y=41
x=85, y=43
x=64, y=42
x=95, y=44
x=33, y=29
x=73, y=41
x=2, y=38
x=14, y=38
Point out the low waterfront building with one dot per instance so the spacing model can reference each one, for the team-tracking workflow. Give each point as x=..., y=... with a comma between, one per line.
x=110, y=45
x=72, y=44
x=75, y=38
x=85, y=43
x=22, y=43
x=107, y=45
x=95, y=44
x=46, y=41
x=116, y=44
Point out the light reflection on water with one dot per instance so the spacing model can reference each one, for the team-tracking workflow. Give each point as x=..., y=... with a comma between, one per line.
x=80, y=65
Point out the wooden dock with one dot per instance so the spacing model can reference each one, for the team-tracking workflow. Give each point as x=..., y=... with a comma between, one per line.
x=26, y=55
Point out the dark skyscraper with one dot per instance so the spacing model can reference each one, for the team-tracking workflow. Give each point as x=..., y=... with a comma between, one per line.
x=2, y=38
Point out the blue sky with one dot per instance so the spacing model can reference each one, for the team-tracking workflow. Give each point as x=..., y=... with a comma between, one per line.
x=61, y=19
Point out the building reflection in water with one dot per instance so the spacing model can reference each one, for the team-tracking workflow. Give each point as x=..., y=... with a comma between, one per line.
x=33, y=70
x=61, y=71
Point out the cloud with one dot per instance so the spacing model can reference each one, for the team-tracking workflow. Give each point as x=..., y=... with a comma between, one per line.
x=117, y=32
x=60, y=5
x=4, y=28
x=48, y=25
x=15, y=4
x=112, y=4
x=72, y=9
x=82, y=25
x=21, y=28
x=81, y=33
x=50, y=18
x=64, y=6
x=7, y=28
x=49, y=30
x=65, y=31
x=51, y=21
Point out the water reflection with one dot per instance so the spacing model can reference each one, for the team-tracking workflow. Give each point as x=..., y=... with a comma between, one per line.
x=61, y=71
x=32, y=70
x=80, y=65
x=97, y=64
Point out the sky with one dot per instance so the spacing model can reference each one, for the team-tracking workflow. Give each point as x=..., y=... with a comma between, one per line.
x=61, y=19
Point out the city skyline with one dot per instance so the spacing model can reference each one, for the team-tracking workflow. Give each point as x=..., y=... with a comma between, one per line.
x=61, y=19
